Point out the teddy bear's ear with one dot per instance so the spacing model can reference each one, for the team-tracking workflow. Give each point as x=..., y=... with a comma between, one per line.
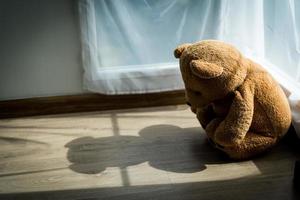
x=205, y=70
x=178, y=51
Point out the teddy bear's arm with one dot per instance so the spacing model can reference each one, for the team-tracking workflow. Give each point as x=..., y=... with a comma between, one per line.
x=238, y=120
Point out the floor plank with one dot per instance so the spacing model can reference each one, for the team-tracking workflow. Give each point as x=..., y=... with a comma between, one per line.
x=147, y=153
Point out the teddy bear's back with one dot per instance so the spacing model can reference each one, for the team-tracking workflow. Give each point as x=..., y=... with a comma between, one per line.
x=271, y=108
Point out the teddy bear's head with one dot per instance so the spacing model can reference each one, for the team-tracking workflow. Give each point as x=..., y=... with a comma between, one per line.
x=210, y=70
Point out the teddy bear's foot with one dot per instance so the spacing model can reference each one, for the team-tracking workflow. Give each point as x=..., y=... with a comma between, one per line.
x=212, y=126
x=252, y=145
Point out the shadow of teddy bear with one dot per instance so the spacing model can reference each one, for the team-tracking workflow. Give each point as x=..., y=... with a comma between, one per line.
x=164, y=147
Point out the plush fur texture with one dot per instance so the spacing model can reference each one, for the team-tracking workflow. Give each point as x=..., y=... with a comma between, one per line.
x=241, y=107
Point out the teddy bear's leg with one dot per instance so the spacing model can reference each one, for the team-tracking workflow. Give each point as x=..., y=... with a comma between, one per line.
x=252, y=145
x=210, y=131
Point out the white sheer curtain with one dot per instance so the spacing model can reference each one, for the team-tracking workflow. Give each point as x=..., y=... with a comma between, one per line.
x=128, y=45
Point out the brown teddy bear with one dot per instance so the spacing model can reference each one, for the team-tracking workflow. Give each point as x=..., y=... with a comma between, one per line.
x=241, y=107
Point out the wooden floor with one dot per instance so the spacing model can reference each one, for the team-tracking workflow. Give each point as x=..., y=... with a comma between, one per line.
x=151, y=153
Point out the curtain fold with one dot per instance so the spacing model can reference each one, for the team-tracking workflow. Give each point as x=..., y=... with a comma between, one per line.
x=128, y=45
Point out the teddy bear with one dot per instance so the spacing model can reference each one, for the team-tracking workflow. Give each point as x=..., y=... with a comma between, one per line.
x=242, y=108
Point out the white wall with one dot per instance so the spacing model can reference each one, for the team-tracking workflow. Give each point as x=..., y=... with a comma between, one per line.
x=39, y=48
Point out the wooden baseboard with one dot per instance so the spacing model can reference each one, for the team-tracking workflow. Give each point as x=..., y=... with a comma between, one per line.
x=86, y=102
